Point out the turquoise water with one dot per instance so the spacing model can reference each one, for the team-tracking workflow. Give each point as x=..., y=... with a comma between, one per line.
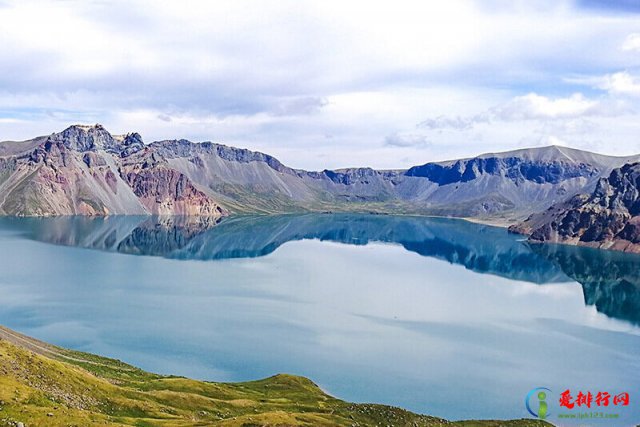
x=439, y=316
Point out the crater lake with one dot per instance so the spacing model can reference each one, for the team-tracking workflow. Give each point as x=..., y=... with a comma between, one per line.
x=440, y=316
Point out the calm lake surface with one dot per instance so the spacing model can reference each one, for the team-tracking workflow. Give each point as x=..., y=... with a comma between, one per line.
x=439, y=316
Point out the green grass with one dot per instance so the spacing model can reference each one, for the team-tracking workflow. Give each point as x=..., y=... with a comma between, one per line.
x=67, y=388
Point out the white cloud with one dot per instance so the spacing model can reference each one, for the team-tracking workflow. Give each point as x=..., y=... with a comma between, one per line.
x=536, y=120
x=280, y=75
x=406, y=140
x=299, y=106
x=621, y=83
x=532, y=107
x=457, y=123
x=631, y=43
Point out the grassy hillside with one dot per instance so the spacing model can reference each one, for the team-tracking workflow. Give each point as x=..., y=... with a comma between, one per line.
x=44, y=385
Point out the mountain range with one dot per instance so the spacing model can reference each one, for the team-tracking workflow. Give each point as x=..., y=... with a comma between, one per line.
x=608, y=217
x=561, y=194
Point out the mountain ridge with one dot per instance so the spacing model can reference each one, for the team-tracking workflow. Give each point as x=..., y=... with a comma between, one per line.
x=85, y=170
x=561, y=149
x=22, y=146
x=607, y=218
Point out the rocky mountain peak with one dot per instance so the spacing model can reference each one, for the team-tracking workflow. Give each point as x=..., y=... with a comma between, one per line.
x=519, y=167
x=127, y=144
x=609, y=217
x=84, y=138
x=619, y=190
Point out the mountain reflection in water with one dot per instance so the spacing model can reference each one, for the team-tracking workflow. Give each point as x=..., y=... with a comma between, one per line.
x=609, y=280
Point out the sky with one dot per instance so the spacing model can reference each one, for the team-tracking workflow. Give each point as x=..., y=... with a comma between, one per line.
x=329, y=84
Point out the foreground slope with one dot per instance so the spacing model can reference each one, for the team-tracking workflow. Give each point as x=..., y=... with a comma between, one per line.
x=47, y=385
x=608, y=218
x=87, y=171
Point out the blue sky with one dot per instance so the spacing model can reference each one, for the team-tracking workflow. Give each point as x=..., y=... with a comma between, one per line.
x=329, y=83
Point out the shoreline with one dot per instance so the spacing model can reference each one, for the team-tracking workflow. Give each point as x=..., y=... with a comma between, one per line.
x=43, y=384
x=503, y=223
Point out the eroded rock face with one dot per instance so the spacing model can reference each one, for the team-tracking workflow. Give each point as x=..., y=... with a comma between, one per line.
x=92, y=138
x=84, y=170
x=84, y=138
x=93, y=159
x=178, y=148
x=131, y=144
x=608, y=218
x=513, y=168
x=165, y=191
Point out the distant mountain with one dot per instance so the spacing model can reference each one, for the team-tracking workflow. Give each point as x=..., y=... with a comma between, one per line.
x=607, y=218
x=85, y=170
